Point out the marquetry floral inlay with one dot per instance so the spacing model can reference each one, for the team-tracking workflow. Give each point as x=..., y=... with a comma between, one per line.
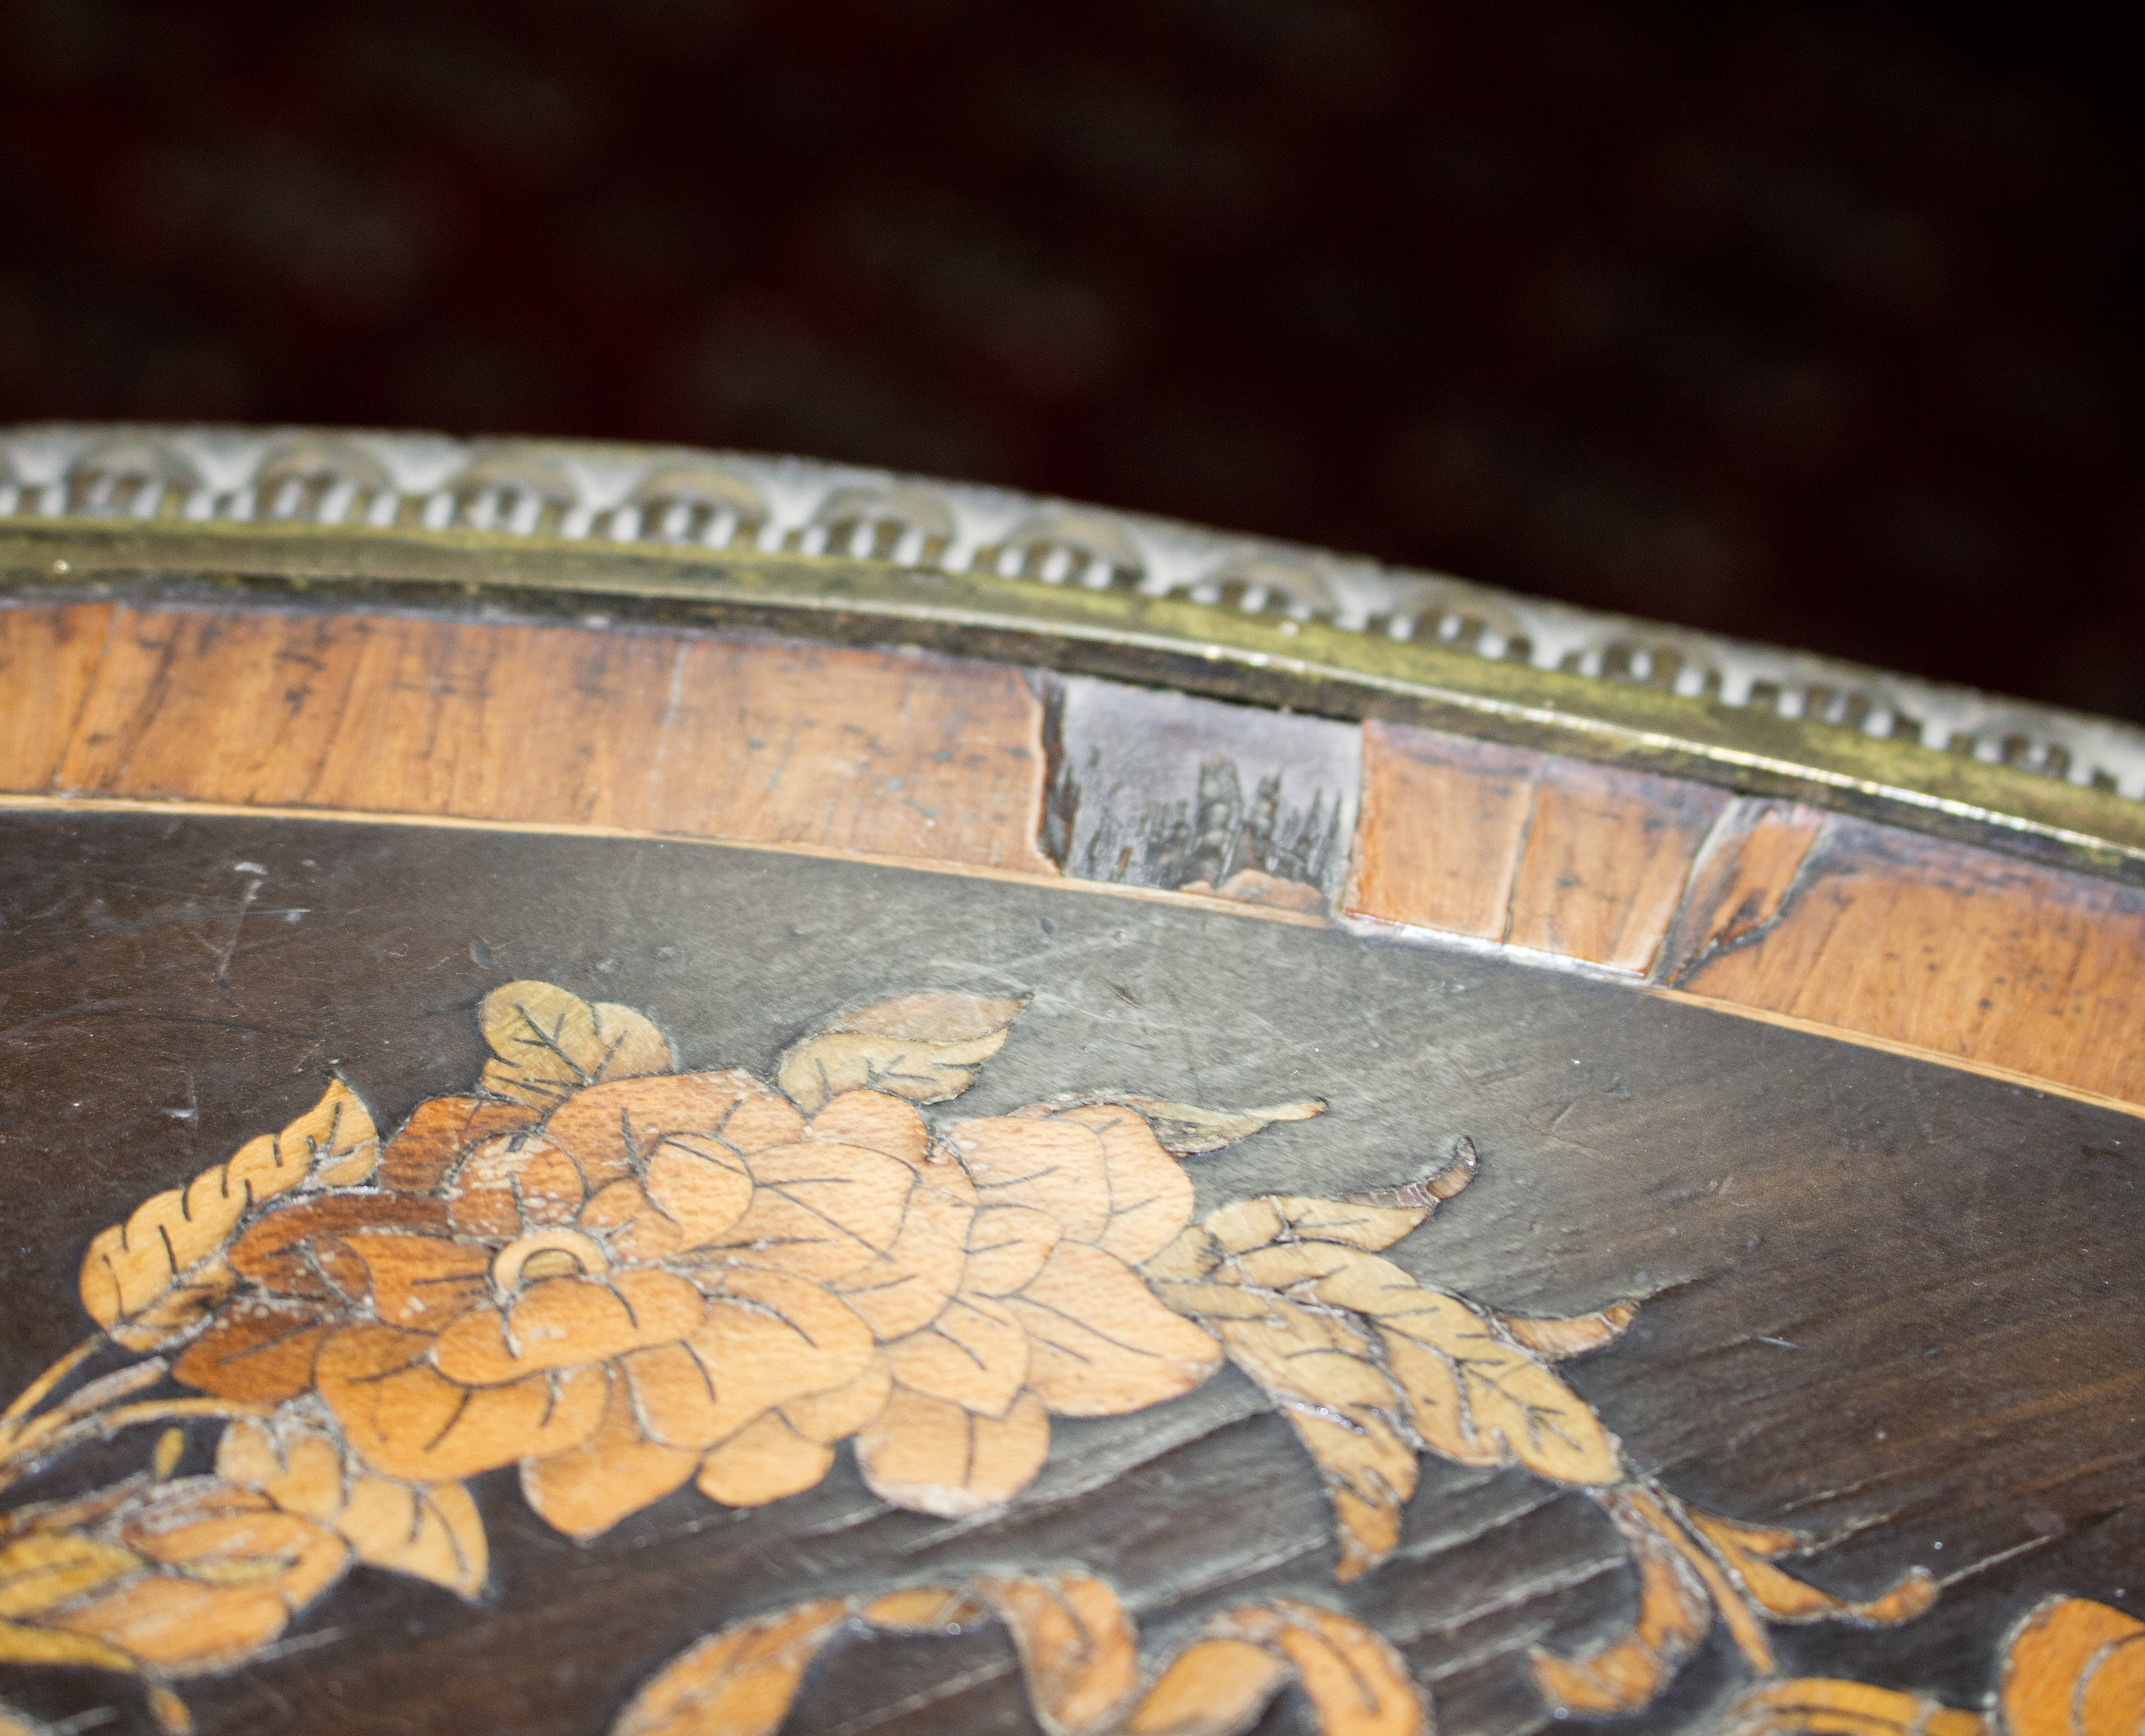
x=620, y=1278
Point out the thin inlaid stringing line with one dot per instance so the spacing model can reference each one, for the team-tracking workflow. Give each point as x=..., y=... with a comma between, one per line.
x=1377, y=928
x=17, y=802
x=1892, y=1046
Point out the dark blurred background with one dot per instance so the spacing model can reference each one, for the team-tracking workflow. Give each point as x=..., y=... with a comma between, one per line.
x=1812, y=323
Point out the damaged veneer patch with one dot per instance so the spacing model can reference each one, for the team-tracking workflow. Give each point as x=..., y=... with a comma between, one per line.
x=1185, y=794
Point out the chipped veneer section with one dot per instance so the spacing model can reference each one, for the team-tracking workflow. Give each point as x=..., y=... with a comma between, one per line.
x=1950, y=949
x=1164, y=790
x=1768, y=908
x=1760, y=907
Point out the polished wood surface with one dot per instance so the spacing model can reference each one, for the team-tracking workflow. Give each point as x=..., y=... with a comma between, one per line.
x=1952, y=949
x=874, y=751
x=1533, y=850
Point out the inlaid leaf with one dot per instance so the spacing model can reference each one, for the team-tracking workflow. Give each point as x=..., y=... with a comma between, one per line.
x=1558, y=1339
x=1100, y=1342
x=1184, y=1130
x=925, y=1048
x=933, y=1456
x=1748, y=1552
x=1211, y=1688
x=547, y=1043
x=1079, y=1656
x=1369, y=1221
x=1281, y=1217
x=1817, y=1706
x=2074, y=1668
x=741, y=1682
x=154, y=1278
x=22, y=1642
x=219, y=1573
x=1505, y=1395
x=1356, y=1682
x=45, y=1567
x=1673, y=1615
x=1323, y=1372
x=1367, y=1364
x=430, y=1532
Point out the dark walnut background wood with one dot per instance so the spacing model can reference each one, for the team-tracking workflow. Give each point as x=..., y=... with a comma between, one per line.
x=1850, y=1113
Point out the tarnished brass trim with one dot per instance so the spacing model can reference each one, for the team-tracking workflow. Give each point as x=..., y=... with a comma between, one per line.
x=740, y=503
x=1261, y=659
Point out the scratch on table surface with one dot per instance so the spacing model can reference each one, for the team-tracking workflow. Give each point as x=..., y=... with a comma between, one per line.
x=1986, y=1562
x=256, y=876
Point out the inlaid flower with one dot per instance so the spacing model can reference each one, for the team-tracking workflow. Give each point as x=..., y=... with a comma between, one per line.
x=621, y=1277
x=172, y=1579
x=1048, y=1316
x=629, y=1283
x=617, y=1294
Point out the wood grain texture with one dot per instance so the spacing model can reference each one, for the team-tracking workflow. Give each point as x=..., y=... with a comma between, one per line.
x=1444, y=824
x=1739, y=881
x=1765, y=907
x=880, y=752
x=1606, y=858
x=1535, y=850
x=1952, y=949
x=49, y=659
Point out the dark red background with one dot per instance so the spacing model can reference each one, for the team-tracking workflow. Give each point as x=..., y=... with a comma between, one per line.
x=1812, y=324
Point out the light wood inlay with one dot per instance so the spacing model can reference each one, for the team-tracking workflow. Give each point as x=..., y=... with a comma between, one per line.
x=1444, y=825
x=878, y=752
x=1740, y=880
x=1766, y=908
x=1605, y=861
x=1941, y=946
x=1576, y=860
x=49, y=659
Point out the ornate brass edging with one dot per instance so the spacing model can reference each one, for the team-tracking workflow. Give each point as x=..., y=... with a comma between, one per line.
x=1260, y=658
x=1202, y=649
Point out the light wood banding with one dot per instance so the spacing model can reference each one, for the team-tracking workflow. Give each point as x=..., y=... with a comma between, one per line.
x=876, y=752
x=1772, y=908
x=1950, y=949
x=1535, y=850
